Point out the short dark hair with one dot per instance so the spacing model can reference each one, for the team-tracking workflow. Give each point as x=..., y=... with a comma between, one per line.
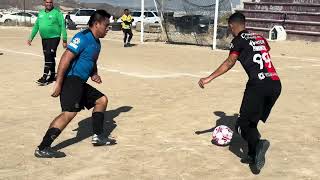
x=237, y=18
x=126, y=10
x=98, y=16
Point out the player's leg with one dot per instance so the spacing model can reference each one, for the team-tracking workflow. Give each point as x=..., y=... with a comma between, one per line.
x=99, y=102
x=247, y=122
x=273, y=93
x=49, y=51
x=53, y=45
x=56, y=127
x=46, y=68
x=125, y=33
x=130, y=37
x=71, y=103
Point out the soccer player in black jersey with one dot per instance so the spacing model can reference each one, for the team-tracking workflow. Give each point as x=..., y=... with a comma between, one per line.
x=262, y=90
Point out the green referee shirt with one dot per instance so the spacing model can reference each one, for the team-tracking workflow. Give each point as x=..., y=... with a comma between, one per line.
x=50, y=25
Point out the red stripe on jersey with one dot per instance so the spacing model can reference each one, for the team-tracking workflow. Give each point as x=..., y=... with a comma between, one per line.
x=234, y=52
x=270, y=70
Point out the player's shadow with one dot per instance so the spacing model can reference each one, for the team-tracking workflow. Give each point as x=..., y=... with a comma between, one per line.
x=85, y=127
x=132, y=45
x=237, y=145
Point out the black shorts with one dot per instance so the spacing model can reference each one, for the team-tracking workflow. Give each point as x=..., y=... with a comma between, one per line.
x=127, y=31
x=258, y=101
x=77, y=94
x=50, y=46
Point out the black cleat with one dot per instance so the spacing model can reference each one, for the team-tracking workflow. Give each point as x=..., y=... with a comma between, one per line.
x=48, y=152
x=261, y=150
x=100, y=140
x=43, y=81
x=247, y=160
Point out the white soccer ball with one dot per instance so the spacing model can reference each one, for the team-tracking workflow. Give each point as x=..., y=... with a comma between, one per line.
x=222, y=135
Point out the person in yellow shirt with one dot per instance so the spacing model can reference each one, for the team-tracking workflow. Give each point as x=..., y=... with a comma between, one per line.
x=126, y=27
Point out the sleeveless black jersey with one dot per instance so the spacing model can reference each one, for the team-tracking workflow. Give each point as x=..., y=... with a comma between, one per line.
x=253, y=52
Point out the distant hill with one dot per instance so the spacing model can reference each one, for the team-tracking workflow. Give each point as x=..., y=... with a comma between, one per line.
x=64, y=4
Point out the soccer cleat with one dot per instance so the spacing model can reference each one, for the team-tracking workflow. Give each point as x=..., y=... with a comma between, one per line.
x=128, y=44
x=100, y=140
x=247, y=160
x=52, y=78
x=261, y=150
x=43, y=81
x=125, y=45
x=48, y=152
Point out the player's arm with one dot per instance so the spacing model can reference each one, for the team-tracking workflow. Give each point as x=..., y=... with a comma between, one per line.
x=95, y=69
x=34, y=31
x=63, y=29
x=64, y=64
x=95, y=77
x=223, y=68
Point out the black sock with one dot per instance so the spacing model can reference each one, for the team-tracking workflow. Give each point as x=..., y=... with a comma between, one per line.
x=97, y=122
x=49, y=137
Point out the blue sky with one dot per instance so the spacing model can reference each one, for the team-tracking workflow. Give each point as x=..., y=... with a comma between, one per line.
x=134, y=3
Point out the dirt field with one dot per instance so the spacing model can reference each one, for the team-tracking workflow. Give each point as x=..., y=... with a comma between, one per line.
x=155, y=107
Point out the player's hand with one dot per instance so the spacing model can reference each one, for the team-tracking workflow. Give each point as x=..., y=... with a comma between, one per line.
x=56, y=90
x=96, y=78
x=29, y=42
x=64, y=44
x=204, y=81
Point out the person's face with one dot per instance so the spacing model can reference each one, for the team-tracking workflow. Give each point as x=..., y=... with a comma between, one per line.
x=102, y=28
x=48, y=4
x=233, y=29
x=126, y=13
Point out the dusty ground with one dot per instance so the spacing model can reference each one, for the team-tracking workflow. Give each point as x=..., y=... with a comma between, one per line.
x=157, y=106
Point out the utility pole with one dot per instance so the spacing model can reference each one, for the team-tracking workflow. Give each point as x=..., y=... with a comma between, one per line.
x=24, y=11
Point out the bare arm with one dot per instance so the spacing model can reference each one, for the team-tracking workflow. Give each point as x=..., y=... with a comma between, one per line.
x=65, y=60
x=95, y=69
x=64, y=64
x=95, y=77
x=223, y=68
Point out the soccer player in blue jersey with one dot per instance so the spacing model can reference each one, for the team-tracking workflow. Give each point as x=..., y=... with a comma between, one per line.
x=77, y=64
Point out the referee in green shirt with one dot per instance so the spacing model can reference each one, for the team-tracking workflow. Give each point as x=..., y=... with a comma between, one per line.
x=50, y=23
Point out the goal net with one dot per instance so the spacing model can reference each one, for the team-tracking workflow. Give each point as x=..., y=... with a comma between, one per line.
x=192, y=21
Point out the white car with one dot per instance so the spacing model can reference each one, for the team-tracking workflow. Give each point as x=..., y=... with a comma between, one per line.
x=18, y=17
x=82, y=16
x=149, y=17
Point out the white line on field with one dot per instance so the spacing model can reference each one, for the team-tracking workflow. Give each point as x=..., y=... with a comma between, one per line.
x=19, y=52
x=172, y=75
x=138, y=75
x=295, y=67
x=304, y=59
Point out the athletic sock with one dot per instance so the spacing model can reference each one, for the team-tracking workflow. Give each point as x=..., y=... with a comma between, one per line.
x=97, y=122
x=49, y=137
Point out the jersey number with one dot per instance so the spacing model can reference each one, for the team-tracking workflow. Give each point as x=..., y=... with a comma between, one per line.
x=258, y=58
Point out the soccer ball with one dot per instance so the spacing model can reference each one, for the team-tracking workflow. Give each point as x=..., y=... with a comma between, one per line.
x=222, y=135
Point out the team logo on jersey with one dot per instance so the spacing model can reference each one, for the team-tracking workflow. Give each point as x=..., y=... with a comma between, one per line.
x=231, y=46
x=258, y=45
x=76, y=40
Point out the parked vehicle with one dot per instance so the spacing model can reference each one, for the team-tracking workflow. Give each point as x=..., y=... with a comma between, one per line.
x=149, y=17
x=82, y=16
x=18, y=17
x=192, y=23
